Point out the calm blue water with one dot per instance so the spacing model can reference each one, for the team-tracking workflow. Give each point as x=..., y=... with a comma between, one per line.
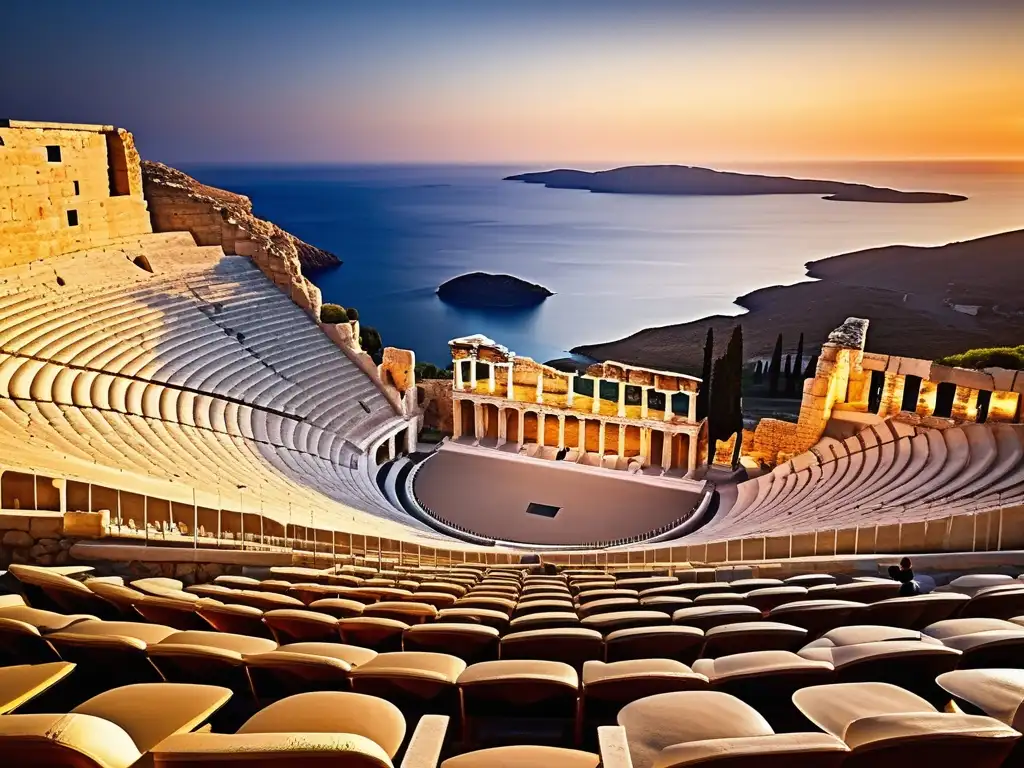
x=617, y=263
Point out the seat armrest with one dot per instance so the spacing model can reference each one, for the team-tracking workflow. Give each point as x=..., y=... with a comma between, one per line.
x=613, y=747
x=425, y=745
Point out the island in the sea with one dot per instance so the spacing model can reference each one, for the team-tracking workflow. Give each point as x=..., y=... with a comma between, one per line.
x=687, y=180
x=481, y=290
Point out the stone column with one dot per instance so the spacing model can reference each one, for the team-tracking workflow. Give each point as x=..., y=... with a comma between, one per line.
x=691, y=406
x=645, y=439
x=490, y=378
x=502, y=426
x=600, y=440
x=622, y=399
x=622, y=440
x=666, y=452
x=540, y=429
x=581, y=436
x=472, y=373
x=540, y=387
x=643, y=402
x=478, y=421
x=667, y=413
x=561, y=432
x=511, y=387
x=458, y=374
x=456, y=415
x=569, y=393
x=595, y=407
x=692, y=458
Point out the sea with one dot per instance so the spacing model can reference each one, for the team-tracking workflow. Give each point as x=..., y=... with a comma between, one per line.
x=616, y=263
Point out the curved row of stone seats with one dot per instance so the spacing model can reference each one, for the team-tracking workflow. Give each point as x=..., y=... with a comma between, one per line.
x=144, y=332
x=882, y=470
x=200, y=368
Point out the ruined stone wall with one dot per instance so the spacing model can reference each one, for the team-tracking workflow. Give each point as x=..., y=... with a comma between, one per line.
x=66, y=188
x=436, y=404
x=33, y=539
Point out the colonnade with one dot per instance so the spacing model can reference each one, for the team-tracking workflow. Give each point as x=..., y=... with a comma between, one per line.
x=674, y=447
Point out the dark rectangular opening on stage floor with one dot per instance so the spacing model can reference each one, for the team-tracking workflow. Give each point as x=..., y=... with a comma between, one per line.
x=544, y=510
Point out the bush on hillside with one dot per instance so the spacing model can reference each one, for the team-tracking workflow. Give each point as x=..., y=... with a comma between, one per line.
x=353, y=313
x=333, y=313
x=370, y=341
x=431, y=371
x=991, y=357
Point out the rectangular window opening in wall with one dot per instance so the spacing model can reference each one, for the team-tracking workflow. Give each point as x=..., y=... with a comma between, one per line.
x=72, y=218
x=544, y=510
x=52, y=153
x=945, y=394
x=78, y=189
x=984, y=399
x=911, y=392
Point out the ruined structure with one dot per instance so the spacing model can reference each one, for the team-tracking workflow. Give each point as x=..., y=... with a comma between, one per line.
x=503, y=400
x=855, y=387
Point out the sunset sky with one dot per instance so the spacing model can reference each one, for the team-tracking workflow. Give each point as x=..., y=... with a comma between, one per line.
x=523, y=81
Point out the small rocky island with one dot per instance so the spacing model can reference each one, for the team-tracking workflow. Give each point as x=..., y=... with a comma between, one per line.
x=481, y=290
x=687, y=180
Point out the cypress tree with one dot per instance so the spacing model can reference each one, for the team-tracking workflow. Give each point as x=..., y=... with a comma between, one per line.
x=790, y=377
x=775, y=368
x=758, y=373
x=798, y=363
x=812, y=366
x=734, y=356
x=704, y=395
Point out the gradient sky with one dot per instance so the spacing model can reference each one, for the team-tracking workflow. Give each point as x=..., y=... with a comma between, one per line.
x=682, y=81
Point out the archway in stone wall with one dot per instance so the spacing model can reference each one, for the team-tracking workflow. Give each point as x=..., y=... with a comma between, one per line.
x=511, y=425
x=382, y=454
x=572, y=432
x=631, y=443
x=468, y=410
x=875, y=390
x=530, y=427
x=680, y=451
x=489, y=414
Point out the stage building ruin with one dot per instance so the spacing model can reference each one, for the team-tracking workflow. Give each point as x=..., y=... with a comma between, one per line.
x=613, y=415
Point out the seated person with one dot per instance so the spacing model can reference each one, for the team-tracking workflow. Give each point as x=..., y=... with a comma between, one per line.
x=904, y=573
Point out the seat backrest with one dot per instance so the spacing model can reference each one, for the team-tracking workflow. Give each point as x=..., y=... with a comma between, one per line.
x=282, y=750
x=65, y=741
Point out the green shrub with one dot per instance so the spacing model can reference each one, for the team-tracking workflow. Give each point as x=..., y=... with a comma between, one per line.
x=333, y=313
x=353, y=313
x=370, y=341
x=431, y=371
x=991, y=357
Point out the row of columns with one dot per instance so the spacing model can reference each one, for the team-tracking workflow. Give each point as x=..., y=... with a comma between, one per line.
x=595, y=404
x=480, y=432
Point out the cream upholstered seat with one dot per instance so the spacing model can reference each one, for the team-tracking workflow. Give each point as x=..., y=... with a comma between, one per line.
x=122, y=598
x=419, y=680
x=171, y=611
x=516, y=689
x=523, y=756
x=916, y=611
x=21, y=642
x=1000, y=602
x=999, y=693
x=338, y=607
x=816, y=616
x=111, y=730
x=157, y=585
x=110, y=653
x=281, y=673
x=910, y=664
x=437, y=599
x=377, y=633
x=747, y=636
x=282, y=750
x=562, y=619
x=992, y=648
x=70, y=595
x=592, y=595
x=607, y=605
x=491, y=603
x=485, y=616
x=526, y=609
x=190, y=657
x=43, y=620
x=721, y=598
x=20, y=684
x=235, y=619
x=694, y=727
x=571, y=646
x=408, y=612
x=867, y=633
x=887, y=726
x=707, y=616
x=606, y=623
x=470, y=642
x=289, y=625
x=672, y=642
x=607, y=687
x=765, y=680
x=942, y=630
x=766, y=598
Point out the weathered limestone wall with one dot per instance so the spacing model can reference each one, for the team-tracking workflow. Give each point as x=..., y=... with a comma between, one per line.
x=66, y=188
x=436, y=404
x=33, y=539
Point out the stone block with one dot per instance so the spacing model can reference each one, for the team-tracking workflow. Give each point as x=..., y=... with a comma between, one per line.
x=87, y=525
x=18, y=539
x=15, y=522
x=1002, y=378
x=46, y=527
